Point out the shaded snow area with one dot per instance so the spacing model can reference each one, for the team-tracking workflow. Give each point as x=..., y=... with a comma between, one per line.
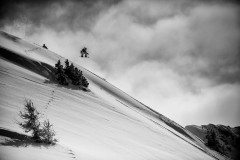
x=101, y=124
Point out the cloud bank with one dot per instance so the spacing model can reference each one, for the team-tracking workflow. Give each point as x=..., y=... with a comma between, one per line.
x=180, y=57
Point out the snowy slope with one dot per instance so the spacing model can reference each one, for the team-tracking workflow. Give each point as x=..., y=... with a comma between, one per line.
x=102, y=124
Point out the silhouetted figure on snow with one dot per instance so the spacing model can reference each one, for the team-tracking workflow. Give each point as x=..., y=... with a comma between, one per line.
x=44, y=46
x=84, y=52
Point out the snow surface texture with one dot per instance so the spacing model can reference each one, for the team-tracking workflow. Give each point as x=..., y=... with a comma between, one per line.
x=104, y=124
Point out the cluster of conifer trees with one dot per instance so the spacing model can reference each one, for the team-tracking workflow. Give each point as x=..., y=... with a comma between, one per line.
x=69, y=75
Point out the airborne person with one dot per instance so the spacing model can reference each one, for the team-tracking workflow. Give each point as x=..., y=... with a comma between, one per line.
x=84, y=52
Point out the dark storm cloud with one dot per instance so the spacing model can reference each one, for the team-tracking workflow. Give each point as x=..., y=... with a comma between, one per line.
x=56, y=14
x=194, y=38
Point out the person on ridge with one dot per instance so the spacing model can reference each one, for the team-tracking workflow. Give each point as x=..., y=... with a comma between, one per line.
x=44, y=46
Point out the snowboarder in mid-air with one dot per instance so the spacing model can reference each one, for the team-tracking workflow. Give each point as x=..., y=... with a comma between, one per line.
x=84, y=52
x=44, y=46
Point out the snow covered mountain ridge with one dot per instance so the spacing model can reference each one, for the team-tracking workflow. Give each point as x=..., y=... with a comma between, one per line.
x=105, y=123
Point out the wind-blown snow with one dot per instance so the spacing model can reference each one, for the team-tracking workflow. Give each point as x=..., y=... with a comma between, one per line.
x=104, y=124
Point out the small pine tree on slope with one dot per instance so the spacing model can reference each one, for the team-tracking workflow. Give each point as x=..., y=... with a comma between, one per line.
x=31, y=120
x=31, y=123
x=48, y=133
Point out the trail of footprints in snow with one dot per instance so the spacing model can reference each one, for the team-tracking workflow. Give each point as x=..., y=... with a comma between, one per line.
x=71, y=153
x=52, y=93
x=51, y=99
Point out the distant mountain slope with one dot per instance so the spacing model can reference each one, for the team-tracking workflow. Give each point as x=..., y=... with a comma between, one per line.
x=199, y=131
x=223, y=139
x=105, y=123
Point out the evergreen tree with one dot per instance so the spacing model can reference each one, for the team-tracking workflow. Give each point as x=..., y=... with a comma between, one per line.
x=47, y=133
x=66, y=63
x=75, y=77
x=70, y=71
x=79, y=77
x=60, y=75
x=84, y=82
x=66, y=69
x=57, y=65
x=212, y=140
x=31, y=120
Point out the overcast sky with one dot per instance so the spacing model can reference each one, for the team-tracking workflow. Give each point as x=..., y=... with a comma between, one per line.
x=179, y=57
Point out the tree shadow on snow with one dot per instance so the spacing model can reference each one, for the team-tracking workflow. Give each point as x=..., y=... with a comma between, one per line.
x=17, y=139
x=69, y=86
